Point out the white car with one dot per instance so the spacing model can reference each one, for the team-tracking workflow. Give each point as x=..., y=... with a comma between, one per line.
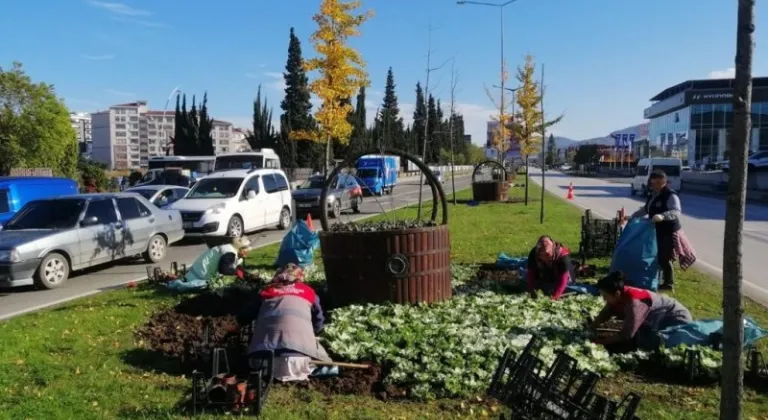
x=235, y=202
x=160, y=195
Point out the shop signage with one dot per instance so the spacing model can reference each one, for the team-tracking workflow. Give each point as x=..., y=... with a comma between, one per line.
x=719, y=96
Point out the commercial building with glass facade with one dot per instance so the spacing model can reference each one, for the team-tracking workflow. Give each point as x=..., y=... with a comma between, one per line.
x=693, y=120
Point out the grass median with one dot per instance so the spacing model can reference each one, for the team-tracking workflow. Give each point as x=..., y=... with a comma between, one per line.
x=81, y=361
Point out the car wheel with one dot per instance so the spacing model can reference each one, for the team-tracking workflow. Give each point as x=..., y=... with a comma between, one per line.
x=285, y=218
x=335, y=210
x=52, y=272
x=356, y=205
x=235, y=227
x=156, y=250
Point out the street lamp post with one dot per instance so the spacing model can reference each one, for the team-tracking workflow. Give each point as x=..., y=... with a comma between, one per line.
x=501, y=7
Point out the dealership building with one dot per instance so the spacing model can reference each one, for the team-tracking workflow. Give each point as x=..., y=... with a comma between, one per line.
x=693, y=119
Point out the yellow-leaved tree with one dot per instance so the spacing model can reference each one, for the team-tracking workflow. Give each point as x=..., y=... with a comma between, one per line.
x=529, y=119
x=501, y=136
x=341, y=72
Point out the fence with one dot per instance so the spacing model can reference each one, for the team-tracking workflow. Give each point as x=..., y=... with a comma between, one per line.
x=31, y=172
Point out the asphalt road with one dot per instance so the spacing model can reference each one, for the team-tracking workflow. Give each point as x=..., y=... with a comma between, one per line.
x=703, y=223
x=17, y=301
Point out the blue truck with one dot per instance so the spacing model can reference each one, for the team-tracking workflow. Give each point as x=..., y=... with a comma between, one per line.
x=16, y=191
x=378, y=173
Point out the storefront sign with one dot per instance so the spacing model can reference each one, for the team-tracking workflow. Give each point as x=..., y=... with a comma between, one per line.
x=719, y=96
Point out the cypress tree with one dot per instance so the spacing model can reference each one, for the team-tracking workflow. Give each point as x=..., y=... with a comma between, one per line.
x=262, y=134
x=177, y=145
x=205, y=129
x=297, y=107
x=433, y=147
x=419, y=119
x=359, y=141
x=388, y=122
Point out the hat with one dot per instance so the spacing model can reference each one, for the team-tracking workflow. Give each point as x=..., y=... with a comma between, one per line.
x=242, y=243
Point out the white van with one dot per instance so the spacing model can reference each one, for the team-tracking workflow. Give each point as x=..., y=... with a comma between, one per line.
x=235, y=202
x=673, y=167
x=257, y=159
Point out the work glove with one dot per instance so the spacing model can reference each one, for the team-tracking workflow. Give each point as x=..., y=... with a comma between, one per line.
x=657, y=218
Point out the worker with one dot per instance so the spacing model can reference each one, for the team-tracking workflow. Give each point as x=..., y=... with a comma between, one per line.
x=218, y=260
x=664, y=209
x=549, y=268
x=288, y=317
x=644, y=313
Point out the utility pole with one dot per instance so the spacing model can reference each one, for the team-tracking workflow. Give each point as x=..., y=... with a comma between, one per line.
x=426, y=118
x=543, y=140
x=454, y=83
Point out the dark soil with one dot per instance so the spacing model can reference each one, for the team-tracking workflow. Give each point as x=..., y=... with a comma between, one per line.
x=354, y=382
x=497, y=279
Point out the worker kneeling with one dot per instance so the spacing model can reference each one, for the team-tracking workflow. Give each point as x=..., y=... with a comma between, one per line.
x=288, y=316
x=218, y=260
x=549, y=268
x=644, y=314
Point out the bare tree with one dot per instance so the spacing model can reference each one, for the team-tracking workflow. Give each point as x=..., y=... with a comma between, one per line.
x=454, y=84
x=733, y=304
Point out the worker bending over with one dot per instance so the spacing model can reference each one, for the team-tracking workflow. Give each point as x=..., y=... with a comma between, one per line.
x=224, y=259
x=549, y=268
x=287, y=319
x=644, y=313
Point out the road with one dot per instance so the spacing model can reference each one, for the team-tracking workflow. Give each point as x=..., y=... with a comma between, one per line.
x=703, y=222
x=21, y=300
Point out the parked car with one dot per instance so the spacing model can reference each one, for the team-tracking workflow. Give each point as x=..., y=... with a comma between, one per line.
x=755, y=161
x=235, y=202
x=438, y=175
x=672, y=167
x=48, y=239
x=16, y=191
x=160, y=195
x=345, y=194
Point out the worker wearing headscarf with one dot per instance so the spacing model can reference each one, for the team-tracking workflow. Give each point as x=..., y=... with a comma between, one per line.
x=288, y=316
x=224, y=260
x=549, y=268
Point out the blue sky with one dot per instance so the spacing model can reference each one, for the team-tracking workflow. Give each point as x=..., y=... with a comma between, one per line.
x=604, y=58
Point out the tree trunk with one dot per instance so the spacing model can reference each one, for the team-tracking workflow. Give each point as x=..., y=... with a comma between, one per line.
x=526, y=180
x=733, y=305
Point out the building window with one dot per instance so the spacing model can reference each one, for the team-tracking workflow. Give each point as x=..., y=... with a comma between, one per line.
x=119, y=133
x=706, y=144
x=120, y=126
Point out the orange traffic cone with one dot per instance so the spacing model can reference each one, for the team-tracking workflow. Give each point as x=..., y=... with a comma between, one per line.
x=309, y=222
x=570, y=192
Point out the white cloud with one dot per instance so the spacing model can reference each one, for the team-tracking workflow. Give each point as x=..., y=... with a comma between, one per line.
x=728, y=73
x=141, y=22
x=119, y=8
x=120, y=93
x=270, y=79
x=98, y=57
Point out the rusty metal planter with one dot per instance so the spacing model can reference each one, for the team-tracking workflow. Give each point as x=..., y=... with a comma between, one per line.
x=495, y=190
x=398, y=266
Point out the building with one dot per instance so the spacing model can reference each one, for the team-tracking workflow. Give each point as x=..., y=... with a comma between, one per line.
x=693, y=119
x=239, y=138
x=126, y=135
x=467, y=139
x=81, y=123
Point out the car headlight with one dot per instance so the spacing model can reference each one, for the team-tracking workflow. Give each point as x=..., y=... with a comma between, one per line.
x=217, y=209
x=331, y=198
x=10, y=256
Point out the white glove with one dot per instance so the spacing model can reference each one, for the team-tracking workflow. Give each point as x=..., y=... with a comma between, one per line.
x=657, y=218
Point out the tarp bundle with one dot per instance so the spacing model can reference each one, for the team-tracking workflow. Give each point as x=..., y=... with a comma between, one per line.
x=512, y=263
x=635, y=255
x=700, y=333
x=298, y=246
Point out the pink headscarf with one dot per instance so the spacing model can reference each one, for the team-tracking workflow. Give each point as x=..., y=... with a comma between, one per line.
x=289, y=274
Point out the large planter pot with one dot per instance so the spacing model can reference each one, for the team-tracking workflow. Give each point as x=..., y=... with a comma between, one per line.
x=493, y=190
x=405, y=266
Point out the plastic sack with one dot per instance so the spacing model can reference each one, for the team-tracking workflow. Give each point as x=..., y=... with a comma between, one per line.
x=182, y=286
x=699, y=333
x=512, y=263
x=635, y=255
x=582, y=289
x=298, y=246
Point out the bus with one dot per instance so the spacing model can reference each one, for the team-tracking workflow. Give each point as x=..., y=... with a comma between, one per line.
x=202, y=165
x=262, y=158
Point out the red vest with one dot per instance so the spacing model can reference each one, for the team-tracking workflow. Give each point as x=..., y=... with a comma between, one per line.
x=297, y=289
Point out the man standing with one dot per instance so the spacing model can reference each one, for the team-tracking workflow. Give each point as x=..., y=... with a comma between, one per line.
x=664, y=209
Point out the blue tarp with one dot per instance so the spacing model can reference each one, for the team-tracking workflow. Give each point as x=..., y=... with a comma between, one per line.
x=635, y=255
x=298, y=246
x=584, y=289
x=520, y=264
x=698, y=332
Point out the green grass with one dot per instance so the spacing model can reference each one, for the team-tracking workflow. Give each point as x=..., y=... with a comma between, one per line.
x=80, y=361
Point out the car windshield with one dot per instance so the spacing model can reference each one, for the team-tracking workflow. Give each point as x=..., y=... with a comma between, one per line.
x=313, y=183
x=47, y=214
x=367, y=172
x=216, y=188
x=146, y=193
x=670, y=170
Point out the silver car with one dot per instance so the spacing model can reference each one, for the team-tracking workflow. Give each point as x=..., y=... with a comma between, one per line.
x=48, y=239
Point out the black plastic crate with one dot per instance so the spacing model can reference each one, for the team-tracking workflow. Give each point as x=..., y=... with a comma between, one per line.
x=598, y=236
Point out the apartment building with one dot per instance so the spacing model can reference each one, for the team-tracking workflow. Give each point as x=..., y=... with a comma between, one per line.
x=126, y=135
x=81, y=123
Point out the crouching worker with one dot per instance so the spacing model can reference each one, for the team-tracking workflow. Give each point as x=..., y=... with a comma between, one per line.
x=287, y=319
x=224, y=260
x=643, y=313
x=549, y=268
